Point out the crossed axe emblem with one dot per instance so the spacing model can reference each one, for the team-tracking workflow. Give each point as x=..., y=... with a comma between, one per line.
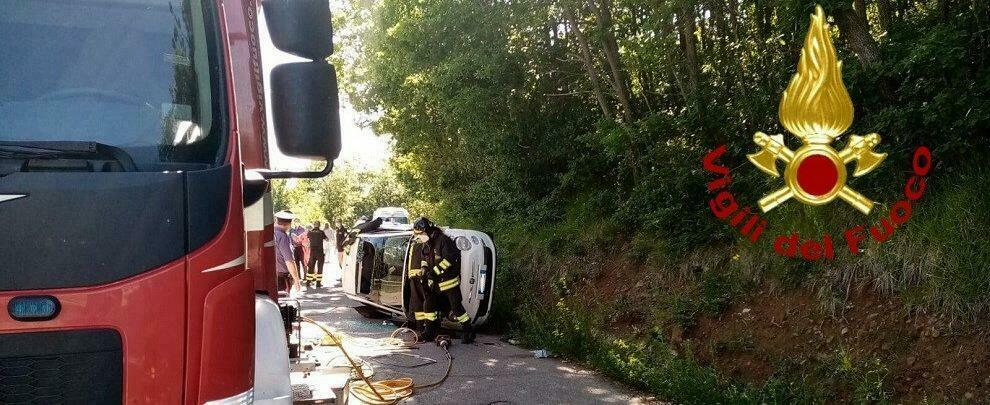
x=801, y=180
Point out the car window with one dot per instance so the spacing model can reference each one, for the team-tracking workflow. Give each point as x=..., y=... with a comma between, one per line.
x=394, y=254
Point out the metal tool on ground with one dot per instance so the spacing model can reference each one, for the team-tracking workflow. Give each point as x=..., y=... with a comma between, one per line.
x=384, y=392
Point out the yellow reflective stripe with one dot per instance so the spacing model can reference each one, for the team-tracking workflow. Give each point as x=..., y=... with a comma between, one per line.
x=454, y=280
x=415, y=272
x=446, y=285
x=463, y=318
x=437, y=270
x=444, y=264
x=423, y=263
x=425, y=316
x=409, y=256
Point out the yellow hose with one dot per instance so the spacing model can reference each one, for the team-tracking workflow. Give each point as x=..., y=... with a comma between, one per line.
x=391, y=391
x=385, y=392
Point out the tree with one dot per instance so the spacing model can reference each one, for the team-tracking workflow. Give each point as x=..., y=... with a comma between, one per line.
x=280, y=195
x=855, y=30
x=566, y=126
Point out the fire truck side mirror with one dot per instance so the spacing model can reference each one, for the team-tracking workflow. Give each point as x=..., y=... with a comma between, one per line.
x=304, y=102
x=300, y=27
x=305, y=110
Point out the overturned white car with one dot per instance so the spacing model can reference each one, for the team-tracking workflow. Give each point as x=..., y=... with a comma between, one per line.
x=376, y=268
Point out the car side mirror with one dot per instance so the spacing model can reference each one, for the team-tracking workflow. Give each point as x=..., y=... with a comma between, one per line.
x=305, y=104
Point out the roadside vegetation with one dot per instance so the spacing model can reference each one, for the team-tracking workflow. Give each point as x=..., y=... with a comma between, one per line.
x=574, y=132
x=346, y=194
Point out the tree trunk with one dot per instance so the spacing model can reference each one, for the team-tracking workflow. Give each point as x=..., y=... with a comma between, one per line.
x=734, y=19
x=885, y=11
x=764, y=16
x=611, y=47
x=587, y=61
x=721, y=34
x=860, y=7
x=671, y=31
x=643, y=74
x=619, y=81
x=686, y=28
x=944, y=7
x=856, y=32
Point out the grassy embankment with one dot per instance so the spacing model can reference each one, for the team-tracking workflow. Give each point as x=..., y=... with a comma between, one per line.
x=678, y=324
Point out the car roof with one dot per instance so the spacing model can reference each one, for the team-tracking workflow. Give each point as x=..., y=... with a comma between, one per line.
x=384, y=233
x=392, y=210
x=405, y=229
x=389, y=228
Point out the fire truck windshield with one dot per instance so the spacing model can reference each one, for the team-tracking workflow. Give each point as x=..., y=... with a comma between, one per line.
x=140, y=75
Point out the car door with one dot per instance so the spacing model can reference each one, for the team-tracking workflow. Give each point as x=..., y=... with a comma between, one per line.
x=393, y=263
x=365, y=264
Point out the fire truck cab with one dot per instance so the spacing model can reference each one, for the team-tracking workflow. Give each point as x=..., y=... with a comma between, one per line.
x=136, y=260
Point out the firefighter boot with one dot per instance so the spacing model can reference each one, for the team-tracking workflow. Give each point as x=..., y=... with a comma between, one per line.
x=429, y=331
x=468, y=336
x=420, y=325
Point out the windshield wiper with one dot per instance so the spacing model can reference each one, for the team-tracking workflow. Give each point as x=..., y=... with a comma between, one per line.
x=38, y=154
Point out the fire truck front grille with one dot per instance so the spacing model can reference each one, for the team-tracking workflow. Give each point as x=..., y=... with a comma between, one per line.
x=70, y=367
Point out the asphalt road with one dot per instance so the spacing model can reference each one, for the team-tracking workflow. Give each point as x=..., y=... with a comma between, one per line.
x=488, y=371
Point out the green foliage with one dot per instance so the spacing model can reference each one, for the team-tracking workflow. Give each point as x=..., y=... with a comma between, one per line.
x=502, y=122
x=718, y=289
x=685, y=311
x=280, y=195
x=711, y=295
x=652, y=365
x=867, y=379
x=497, y=125
x=345, y=194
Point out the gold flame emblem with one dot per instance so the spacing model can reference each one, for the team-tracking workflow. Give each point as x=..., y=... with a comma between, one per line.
x=816, y=108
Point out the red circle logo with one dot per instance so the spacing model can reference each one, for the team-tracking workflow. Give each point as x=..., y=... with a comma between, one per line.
x=817, y=175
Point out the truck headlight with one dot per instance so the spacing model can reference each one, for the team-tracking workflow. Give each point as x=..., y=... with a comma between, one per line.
x=462, y=243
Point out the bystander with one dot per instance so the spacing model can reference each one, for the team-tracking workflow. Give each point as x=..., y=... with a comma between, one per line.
x=285, y=265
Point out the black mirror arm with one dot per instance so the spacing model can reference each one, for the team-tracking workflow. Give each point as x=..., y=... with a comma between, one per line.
x=297, y=175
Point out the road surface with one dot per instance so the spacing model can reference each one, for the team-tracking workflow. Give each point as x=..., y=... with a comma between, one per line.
x=487, y=372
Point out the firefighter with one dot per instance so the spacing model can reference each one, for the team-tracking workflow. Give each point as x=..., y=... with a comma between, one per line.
x=314, y=270
x=439, y=257
x=422, y=300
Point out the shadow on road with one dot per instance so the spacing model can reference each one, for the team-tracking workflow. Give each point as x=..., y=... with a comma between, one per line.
x=486, y=372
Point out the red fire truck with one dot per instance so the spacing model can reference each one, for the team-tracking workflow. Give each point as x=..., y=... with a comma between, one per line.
x=136, y=260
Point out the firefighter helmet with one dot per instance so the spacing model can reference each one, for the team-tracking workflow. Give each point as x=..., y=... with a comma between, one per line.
x=422, y=224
